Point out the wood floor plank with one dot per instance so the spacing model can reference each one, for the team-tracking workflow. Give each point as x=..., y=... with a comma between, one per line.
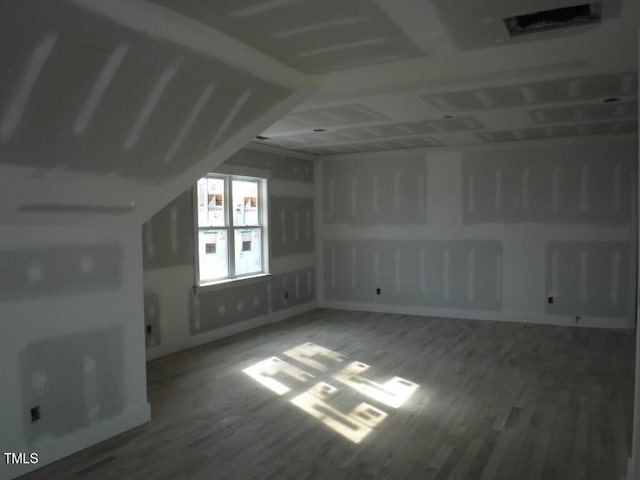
x=494, y=401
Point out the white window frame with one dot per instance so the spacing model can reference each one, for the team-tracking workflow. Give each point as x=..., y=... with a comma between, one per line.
x=232, y=279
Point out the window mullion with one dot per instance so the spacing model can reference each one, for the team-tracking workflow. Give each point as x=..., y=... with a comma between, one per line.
x=231, y=245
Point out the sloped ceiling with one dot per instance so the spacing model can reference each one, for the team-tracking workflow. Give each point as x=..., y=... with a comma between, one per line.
x=109, y=109
x=311, y=36
x=111, y=112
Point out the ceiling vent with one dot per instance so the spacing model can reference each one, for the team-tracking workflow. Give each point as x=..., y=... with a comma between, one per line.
x=556, y=19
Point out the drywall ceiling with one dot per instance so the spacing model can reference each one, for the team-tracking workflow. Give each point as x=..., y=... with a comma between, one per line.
x=474, y=84
x=314, y=36
x=108, y=110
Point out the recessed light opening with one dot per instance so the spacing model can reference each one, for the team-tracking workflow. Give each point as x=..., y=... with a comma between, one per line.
x=448, y=116
x=262, y=137
x=611, y=100
x=554, y=19
x=319, y=130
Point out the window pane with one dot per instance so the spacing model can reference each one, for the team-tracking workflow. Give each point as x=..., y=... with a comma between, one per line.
x=245, y=202
x=211, y=202
x=248, y=246
x=213, y=254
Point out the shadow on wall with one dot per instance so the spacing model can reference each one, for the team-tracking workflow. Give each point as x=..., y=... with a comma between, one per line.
x=167, y=238
x=38, y=272
x=74, y=381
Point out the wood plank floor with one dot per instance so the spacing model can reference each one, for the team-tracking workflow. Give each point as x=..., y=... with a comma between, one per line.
x=494, y=401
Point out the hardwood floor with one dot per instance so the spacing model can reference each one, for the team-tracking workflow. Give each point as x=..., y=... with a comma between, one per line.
x=493, y=401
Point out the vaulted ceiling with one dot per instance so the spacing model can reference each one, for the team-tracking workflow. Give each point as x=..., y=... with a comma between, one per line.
x=112, y=108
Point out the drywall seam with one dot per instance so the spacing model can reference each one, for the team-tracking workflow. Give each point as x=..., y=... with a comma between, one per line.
x=619, y=137
x=159, y=22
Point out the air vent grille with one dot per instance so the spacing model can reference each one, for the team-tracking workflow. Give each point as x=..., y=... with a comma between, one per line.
x=556, y=19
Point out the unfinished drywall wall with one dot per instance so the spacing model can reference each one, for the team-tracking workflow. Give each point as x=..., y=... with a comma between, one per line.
x=436, y=273
x=292, y=219
x=60, y=270
x=374, y=191
x=226, y=306
x=74, y=380
x=558, y=187
x=177, y=316
x=588, y=278
x=71, y=340
x=534, y=233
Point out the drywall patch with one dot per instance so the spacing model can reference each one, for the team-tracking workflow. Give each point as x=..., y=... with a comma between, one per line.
x=291, y=222
x=152, y=332
x=399, y=186
x=560, y=187
x=230, y=305
x=224, y=307
x=76, y=380
x=293, y=288
x=434, y=273
x=38, y=272
x=170, y=231
x=589, y=278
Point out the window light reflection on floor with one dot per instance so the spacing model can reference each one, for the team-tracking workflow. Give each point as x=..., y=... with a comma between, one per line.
x=353, y=425
x=393, y=392
x=264, y=371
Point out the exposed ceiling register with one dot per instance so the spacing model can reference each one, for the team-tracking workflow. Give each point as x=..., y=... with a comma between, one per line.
x=557, y=18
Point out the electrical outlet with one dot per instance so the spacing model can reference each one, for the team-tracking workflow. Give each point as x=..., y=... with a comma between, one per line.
x=549, y=300
x=286, y=295
x=35, y=413
x=378, y=291
x=148, y=329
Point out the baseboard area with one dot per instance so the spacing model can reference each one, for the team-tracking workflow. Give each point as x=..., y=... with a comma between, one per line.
x=201, y=339
x=500, y=316
x=56, y=448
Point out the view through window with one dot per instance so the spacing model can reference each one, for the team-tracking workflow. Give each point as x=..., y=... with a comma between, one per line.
x=230, y=227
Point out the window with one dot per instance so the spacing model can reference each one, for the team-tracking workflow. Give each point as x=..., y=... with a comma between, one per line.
x=231, y=236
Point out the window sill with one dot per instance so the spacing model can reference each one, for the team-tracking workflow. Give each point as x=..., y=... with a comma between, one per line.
x=230, y=283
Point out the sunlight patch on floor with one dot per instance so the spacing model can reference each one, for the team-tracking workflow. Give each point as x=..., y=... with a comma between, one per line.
x=353, y=423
